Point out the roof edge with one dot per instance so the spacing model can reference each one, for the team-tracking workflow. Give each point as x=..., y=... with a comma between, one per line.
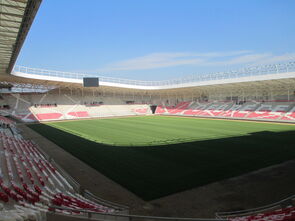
x=28, y=18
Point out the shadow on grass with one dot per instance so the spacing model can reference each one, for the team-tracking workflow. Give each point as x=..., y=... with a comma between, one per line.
x=157, y=171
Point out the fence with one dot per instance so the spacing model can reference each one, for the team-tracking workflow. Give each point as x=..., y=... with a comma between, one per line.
x=245, y=72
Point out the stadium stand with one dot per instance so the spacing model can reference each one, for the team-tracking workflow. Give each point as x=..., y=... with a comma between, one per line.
x=32, y=187
x=283, y=210
x=257, y=110
x=30, y=184
x=38, y=107
x=286, y=214
x=48, y=107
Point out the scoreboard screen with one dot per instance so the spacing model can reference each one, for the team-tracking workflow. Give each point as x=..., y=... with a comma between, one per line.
x=90, y=82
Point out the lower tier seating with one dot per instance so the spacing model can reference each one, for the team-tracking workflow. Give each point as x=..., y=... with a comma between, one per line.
x=64, y=112
x=30, y=184
x=285, y=214
x=48, y=107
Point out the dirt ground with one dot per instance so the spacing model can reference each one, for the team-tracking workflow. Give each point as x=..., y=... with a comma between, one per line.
x=255, y=189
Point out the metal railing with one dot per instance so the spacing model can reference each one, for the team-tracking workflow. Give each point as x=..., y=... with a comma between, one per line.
x=117, y=206
x=86, y=193
x=245, y=72
x=280, y=204
x=116, y=216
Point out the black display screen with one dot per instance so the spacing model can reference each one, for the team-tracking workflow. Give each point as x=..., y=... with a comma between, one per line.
x=90, y=82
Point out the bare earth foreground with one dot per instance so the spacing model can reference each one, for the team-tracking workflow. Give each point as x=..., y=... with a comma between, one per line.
x=251, y=190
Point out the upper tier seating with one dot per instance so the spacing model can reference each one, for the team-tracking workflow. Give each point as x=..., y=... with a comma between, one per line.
x=275, y=110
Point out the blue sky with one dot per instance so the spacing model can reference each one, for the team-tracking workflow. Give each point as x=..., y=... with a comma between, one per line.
x=159, y=39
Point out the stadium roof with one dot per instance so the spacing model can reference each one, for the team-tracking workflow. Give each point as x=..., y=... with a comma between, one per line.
x=280, y=75
x=271, y=78
x=16, y=17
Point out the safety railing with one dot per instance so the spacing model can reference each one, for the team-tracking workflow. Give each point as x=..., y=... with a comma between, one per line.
x=245, y=72
x=118, y=216
x=280, y=204
x=78, y=187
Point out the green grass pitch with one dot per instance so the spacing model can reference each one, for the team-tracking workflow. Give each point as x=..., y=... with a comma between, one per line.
x=155, y=156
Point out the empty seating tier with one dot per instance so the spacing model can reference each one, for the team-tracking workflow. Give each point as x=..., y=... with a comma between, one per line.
x=275, y=111
x=285, y=214
x=30, y=185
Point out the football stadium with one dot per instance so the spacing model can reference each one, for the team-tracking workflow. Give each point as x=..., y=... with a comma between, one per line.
x=78, y=146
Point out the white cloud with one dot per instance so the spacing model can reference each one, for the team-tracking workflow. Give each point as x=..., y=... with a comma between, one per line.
x=243, y=59
x=161, y=60
x=157, y=60
x=278, y=58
